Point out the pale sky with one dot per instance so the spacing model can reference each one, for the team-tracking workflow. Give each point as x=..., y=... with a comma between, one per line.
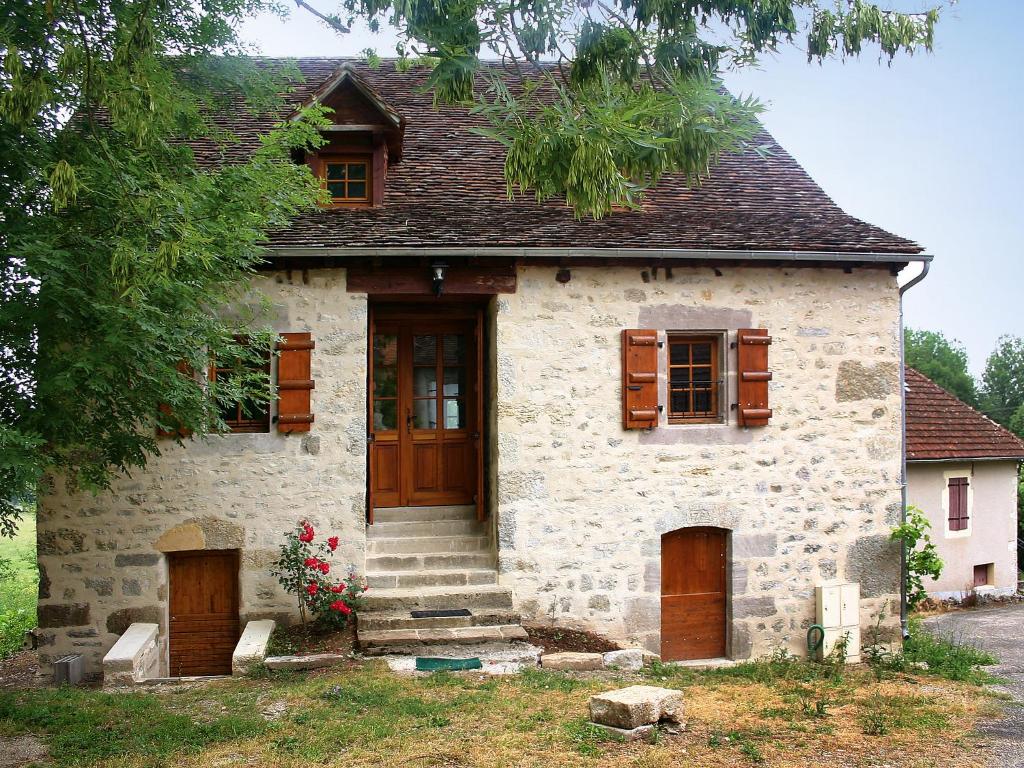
x=929, y=148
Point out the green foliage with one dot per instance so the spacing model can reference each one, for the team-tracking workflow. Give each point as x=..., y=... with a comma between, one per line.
x=941, y=360
x=953, y=658
x=921, y=562
x=119, y=253
x=619, y=92
x=1003, y=382
x=19, y=578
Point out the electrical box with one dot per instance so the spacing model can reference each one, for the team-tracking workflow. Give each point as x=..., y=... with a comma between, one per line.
x=838, y=611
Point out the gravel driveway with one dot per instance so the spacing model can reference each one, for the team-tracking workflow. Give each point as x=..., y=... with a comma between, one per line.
x=999, y=631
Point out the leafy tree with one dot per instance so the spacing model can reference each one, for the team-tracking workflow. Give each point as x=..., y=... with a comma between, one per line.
x=1003, y=384
x=117, y=251
x=941, y=360
x=618, y=92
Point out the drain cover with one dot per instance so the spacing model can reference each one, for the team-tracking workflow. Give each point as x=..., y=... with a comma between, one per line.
x=430, y=664
x=442, y=614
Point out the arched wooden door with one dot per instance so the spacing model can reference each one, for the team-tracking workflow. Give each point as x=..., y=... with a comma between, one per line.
x=693, y=593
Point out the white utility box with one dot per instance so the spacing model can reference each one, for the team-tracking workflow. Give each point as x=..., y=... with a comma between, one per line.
x=838, y=611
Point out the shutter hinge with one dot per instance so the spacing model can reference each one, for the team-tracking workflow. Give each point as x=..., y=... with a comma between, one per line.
x=369, y=438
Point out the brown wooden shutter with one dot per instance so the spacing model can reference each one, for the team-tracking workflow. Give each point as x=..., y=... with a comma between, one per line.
x=958, y=503
x=183, y=368
x=294, y=382
x=639, y=379
x=753, y=376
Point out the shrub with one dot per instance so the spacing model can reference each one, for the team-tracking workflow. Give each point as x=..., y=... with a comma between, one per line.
x=303, y=569
x=920, y=562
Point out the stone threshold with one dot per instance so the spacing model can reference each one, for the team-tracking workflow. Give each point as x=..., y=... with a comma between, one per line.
x=716, y=663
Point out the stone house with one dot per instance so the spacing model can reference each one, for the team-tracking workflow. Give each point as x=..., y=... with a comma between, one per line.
x=962, y=473
x=665, y=427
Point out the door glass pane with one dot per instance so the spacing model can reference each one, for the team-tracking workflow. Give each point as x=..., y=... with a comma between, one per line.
x=424, y=350
x=680, y=375
x=680, y=402
x=702, y=353
x=454, y=382
x=454, y=349
x=385, y=382
x=385, y=349
x=424, y=414
x=454, y=414
x=385, y=414
x=424, y=382
x=679, y=353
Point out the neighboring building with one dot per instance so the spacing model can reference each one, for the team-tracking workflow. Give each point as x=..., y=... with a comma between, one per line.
x=665, y=427
x=962, y=472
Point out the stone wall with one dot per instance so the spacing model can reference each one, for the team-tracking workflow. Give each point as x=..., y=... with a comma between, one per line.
x=102, y=558
x=581, y=504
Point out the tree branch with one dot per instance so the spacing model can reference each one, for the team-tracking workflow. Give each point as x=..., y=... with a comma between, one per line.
x=332, y=22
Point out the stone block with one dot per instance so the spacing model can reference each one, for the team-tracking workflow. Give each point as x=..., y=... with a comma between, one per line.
x=874, y=563
x=64, y=615
x=252, y=646
x=628, y=659
x=636, y=706
x=642, y=733
x=134, y=657
x=571, y=661
x=858, y=381
x=119, y=621
x=313, y=661
x=136, y=560
x=754, y=545
x=746, y=607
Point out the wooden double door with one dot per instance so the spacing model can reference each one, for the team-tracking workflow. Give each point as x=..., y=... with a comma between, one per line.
x=204, y=626
x=693, y=594
x=425, y=410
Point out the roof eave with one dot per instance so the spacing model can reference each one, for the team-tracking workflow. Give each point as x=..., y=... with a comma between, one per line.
x=640, y=254
x=1017, y=459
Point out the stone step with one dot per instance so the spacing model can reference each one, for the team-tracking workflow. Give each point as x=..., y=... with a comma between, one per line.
x=429, y=562
x=431, y=578
x=416, y=514
x=420, y=528
x=427, y=544
x=405, y=641
x=471, y=597
x=486, y=617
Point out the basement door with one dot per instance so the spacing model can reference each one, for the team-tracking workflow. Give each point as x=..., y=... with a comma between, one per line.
x=693, y=594
x=425, y=411
x=204, y=627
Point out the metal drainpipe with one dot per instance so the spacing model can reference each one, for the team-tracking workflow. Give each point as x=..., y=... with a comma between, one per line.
x=903, y=454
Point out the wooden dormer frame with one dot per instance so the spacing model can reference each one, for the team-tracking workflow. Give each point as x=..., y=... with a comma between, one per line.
x=321, y=162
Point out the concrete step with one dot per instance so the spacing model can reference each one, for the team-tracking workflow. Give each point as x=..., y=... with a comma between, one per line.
x=427, y=544
x=485, y=617
x=410, y=529
x=405, y=641
x=471, y=597
x=418, y=514
x=433, y=578
x=429, y=562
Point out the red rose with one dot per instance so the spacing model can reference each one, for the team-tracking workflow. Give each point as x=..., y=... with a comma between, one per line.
x=306, y=536
x=338, y=589
x=311, y=562
x=324, y=567
x=312, y=588
x=332, y=543
x=341, y=605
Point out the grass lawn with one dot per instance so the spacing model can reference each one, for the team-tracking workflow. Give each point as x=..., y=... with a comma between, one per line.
x=18, y=582
x=771, y=713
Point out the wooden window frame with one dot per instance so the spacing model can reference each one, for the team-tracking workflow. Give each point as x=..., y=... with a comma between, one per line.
x=241, y=424
x=718, y=379
x=348, y=158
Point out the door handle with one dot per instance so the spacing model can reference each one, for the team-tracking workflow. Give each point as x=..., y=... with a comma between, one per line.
x=408, y=421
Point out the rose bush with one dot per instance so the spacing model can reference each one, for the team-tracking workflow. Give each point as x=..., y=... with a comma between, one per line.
x=304, y=570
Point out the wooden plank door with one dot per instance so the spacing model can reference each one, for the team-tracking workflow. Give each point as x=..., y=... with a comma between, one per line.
x=424, y=413
x=204, y=626
x=693, y=594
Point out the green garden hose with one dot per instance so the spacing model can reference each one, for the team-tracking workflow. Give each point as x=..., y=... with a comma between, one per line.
x=813, y=646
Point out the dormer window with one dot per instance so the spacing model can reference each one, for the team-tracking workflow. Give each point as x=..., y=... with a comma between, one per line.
x=348, y=179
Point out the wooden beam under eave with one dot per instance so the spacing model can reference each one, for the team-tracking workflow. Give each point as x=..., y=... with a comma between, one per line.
x=418, y=281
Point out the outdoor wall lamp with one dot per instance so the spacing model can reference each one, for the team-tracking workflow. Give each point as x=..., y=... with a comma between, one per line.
x=439, y=267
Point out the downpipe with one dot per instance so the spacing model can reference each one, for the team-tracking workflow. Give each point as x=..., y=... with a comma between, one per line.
x=904, y=620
